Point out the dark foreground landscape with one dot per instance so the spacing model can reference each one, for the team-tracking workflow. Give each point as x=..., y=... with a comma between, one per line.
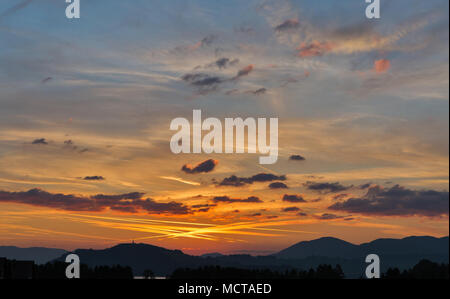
x=55, y=270
x=325, y=258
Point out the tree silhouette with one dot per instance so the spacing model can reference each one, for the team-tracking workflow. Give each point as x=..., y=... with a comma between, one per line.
x=217, y=272
x=57, y=270
x=425, y=269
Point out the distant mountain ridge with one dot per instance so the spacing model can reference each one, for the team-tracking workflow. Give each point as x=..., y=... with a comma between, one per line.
x=323, y=247
x=39, y=255
x=212, y=254
x=409, y=245
x=336, y=248
x=139, y=257
x=400, y=253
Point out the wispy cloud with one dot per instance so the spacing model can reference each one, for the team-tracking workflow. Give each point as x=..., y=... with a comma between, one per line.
x=180, y=180
x=15, y=8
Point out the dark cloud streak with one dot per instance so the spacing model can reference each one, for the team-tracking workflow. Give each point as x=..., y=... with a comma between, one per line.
x=241, y=181
x=130, y=203
x=327, y=187
x=288, y=25
x=293, y=198
x=94, y=178
x=40, y=141
x=278, y=185
x=203, y=167
x=297, y=158
x=226, y=199
x=397, y=201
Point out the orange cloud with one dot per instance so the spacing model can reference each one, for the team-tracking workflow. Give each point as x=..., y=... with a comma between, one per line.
x=381, y=65
x=314, y=49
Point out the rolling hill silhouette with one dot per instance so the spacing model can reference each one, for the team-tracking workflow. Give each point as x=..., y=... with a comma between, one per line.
x=409, y=246
x=400, y=253
x=39, y=255
x=336, y=248
x=139, y=257
x=212, y=254
x=323, y=247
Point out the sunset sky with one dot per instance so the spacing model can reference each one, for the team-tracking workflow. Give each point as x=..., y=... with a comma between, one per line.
x=86, y=105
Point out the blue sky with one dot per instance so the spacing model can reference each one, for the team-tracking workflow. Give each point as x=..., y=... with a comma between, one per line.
x=365, y=101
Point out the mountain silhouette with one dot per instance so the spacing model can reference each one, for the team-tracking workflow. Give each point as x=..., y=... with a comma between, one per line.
x=399, y=253
x=39, y=255
x=323, y=247
x=409, y=246
x=139, y=257
x=212, y=254
x=336, y=248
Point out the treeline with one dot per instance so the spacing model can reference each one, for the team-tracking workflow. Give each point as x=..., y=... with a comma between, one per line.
x=423, y=270
x=217, y=272
x=57, y=270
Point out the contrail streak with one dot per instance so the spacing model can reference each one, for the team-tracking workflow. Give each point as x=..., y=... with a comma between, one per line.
x=15, y=8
